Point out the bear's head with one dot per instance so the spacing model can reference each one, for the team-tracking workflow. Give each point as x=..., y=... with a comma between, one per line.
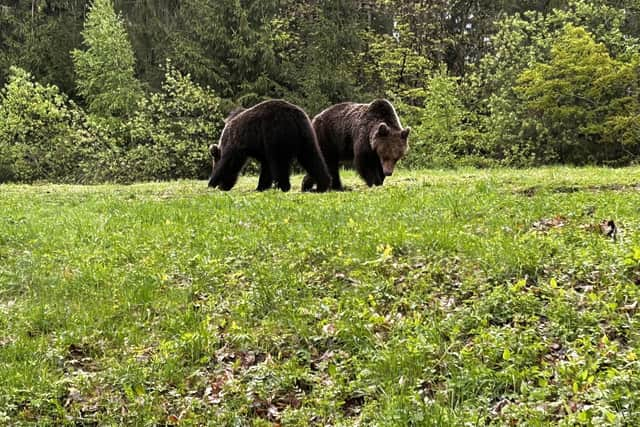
x=390, y=145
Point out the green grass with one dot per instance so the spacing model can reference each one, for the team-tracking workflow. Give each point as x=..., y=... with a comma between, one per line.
x=443, y=298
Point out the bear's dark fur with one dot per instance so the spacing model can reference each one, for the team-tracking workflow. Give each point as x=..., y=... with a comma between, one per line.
x=273, y=132
x=368, y=135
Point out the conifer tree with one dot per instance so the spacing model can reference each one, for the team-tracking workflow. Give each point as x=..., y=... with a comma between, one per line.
x=105, y=69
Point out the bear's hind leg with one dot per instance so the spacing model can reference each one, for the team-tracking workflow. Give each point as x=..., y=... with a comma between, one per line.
x=334, y=172
x=280, y=170
x=265, y=181
x=307, y=183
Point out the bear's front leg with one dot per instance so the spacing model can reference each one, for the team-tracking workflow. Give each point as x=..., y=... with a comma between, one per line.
x=378, y=177
x=370, y=173
x=370, y=178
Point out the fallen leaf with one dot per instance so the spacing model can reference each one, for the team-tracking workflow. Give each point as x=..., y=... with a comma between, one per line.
x=329, y=329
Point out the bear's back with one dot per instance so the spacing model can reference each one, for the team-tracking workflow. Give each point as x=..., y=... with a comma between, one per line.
x=349, y=117
x=340, y=120
x=273, y=109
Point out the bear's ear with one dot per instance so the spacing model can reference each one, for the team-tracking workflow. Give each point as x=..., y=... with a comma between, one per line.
x=214, y=150
x=383, y=130
x=405, y=133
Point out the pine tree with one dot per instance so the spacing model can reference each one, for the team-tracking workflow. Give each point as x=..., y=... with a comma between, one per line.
x=105, y=69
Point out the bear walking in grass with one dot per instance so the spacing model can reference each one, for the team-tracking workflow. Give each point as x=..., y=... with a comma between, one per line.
x=274, y=133
x=368, y=135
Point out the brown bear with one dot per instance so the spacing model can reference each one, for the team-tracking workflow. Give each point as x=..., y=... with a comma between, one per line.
x=273, y=132
x=368, y=135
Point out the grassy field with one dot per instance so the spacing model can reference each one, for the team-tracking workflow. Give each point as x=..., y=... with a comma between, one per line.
x=443, y=298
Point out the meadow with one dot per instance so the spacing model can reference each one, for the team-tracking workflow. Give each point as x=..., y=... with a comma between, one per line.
x=468, y=297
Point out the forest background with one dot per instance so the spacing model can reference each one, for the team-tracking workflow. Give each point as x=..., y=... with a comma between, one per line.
x=129, y=91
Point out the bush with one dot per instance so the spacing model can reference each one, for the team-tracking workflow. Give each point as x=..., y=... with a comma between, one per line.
x=171, y=131
x=510, y=133
x=43, y=135
x=46, y=137
x=444, y=134
x=582, y=105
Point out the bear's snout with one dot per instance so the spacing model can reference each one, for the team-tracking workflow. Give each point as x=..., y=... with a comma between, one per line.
x=387, y=167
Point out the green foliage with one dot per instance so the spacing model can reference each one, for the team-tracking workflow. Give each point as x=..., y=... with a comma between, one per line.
x=582, y=105
x=226, y=44
x=521, y=40
x=444, y=132
x=508, y=134
x=171, y=130
x=46, y=137
x=301, y=39
x=493, y=105
x=43, y=136
x=392, y=63
x=250, y=51
x=105, y=70
x=37, y=36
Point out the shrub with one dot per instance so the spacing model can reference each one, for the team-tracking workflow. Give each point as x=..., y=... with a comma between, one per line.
x=582, y=105
x=171, y=131
x=444, y=134
x=46, y=137
x=43, y=135
x=509, y=132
